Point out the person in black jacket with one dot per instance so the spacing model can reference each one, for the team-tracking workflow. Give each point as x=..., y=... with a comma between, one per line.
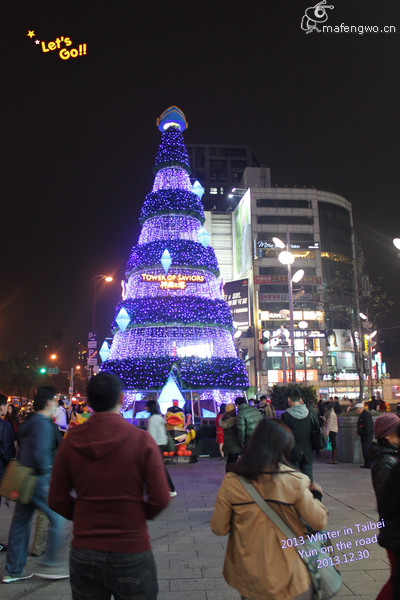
x=365, y=429
x=384, y=455
x=298, y=418
x=7, y=447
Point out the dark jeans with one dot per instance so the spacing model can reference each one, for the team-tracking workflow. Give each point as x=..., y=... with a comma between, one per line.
x=365, y=442
x=305, y=466
x=170, y=482
x=332, y=439
x=20, y=530
x=96, y=575
x=231, y=461
x=391, y=589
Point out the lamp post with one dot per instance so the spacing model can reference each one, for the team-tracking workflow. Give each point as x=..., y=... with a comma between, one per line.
x=287, y=258
x=303, y=326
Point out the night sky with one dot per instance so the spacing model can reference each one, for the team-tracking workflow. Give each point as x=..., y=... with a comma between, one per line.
x=79, y=135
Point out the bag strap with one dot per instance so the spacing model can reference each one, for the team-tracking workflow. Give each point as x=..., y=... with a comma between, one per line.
x=259, y=500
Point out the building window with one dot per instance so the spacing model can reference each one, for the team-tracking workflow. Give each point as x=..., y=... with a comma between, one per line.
x=213, y=191
x=279, y=203
x=284, y=220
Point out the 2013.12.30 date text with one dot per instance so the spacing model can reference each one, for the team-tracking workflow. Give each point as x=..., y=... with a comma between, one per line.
x=342, y=559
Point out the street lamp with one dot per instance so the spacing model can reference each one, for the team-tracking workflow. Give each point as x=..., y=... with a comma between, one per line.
x=287, y=258
x=396, y=243
x=96, y=279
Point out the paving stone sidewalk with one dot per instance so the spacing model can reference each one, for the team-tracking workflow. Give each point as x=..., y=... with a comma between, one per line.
x=190, y=558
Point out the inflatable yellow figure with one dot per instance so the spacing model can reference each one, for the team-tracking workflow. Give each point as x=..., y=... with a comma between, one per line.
x=179, y=431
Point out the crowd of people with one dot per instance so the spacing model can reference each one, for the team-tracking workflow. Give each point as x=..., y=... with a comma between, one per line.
x=110, y=550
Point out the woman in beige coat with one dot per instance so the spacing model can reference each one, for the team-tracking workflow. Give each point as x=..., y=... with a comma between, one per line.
x=258, y=562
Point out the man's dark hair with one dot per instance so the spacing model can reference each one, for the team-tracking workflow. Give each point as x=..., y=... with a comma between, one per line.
x=263, y=397
x=269, y=445
x=153, y=407
x=60, y=402
x=42, y=396
x=295, y=394
x=240, y=400
x=103, y=392
x=3, y=400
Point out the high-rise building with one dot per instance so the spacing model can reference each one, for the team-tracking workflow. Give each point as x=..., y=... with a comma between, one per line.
x=219, y=168
x=320, y=227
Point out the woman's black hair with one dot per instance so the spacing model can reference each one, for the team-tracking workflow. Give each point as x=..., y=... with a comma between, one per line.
x=222, y=409
x=270, y=445
x=153, y=407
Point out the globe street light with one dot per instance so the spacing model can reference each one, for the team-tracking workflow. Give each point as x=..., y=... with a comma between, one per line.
x=396, y=243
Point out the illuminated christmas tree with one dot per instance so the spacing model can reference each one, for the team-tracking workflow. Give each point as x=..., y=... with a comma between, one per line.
x=172, y=317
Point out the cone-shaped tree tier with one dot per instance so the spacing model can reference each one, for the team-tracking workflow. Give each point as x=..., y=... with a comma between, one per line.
x=173, y=316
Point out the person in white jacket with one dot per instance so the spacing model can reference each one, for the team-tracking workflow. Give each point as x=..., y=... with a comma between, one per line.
x=331, y=429
x=156, y=428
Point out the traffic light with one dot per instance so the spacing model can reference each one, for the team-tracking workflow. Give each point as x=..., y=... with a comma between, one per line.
x=264, y=339
x=43, y=370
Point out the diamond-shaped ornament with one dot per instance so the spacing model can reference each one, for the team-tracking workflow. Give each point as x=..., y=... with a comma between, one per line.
x=104, y=351
x=122, y=319
x=166, y=260
x=204, y=237
x=198, y=189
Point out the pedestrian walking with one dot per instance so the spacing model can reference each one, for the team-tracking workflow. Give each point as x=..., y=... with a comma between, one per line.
x=42, y=521
x=7, y=447
x=156, y=428
x=248, y=418
x=256, y=564
x=232, y=447
x=331, y=429
x=35, y=440
x=298, y=418
x=265, y=408
x=365, y=430
x=60, y=417
x=219, y=430
x=384, y=459
x=119, y=482
x=12, y=417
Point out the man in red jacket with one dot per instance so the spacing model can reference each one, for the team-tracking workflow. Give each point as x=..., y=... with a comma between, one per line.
x=108, y=477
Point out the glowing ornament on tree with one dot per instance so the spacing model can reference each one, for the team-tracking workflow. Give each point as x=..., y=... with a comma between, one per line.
x=122, y=319
x=104, y=351
x=166, y=261
x=204, y=237
x=198, y=189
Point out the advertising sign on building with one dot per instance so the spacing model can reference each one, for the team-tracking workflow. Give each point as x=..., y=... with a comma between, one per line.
x=242, y=237
x=236, y=294
x=282, y=279
x=285, y=298
x=339, y=340
x=269, y=245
